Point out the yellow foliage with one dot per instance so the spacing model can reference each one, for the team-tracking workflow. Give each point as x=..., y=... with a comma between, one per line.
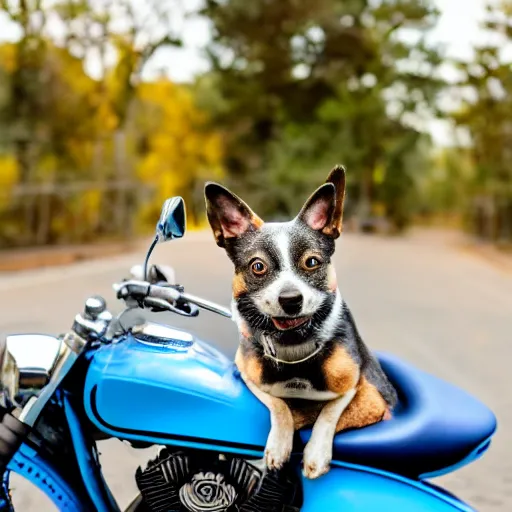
x=90, y=207
x=46, y=168
x=379, y=173
x=182, y=147
x=166, y=140
x=8, y=57
x=8, y=177
x=106, y=119
x=8, y=171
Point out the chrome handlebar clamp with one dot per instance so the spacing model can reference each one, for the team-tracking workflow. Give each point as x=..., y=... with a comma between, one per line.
x=94, y=321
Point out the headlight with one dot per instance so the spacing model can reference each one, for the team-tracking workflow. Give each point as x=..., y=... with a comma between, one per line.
x=26, y=363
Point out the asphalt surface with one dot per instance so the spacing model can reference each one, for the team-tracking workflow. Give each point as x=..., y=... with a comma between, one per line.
x=444, y=310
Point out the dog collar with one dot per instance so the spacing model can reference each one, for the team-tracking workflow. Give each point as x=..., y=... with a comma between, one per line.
x=267, y=348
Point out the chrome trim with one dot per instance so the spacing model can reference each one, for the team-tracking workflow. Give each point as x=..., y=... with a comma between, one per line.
x=207, y=304
x=162, y=336
x=94, y=321
x=173, y=220
x=34, y=350
x=26, y=362
x=94, y=306
x=137, y=273
x=71, y=346
x=9, y=378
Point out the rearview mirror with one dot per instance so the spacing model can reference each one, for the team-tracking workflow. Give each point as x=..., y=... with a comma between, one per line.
x=172, y=220
x=171, y=225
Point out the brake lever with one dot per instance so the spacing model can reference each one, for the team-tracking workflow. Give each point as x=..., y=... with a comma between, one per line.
x=193, y=310
x=158, y=305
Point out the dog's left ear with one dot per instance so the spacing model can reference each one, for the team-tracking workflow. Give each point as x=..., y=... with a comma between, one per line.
x=323, y=211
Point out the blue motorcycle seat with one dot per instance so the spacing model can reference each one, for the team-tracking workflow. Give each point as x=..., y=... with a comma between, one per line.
x=435, y=427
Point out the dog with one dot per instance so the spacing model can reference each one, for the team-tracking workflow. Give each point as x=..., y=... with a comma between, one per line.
x=300, y=352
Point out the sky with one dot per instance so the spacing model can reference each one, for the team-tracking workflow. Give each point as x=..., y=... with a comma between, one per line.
x=457, y=30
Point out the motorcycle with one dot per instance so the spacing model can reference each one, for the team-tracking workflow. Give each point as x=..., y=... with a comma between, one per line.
x=150, y=384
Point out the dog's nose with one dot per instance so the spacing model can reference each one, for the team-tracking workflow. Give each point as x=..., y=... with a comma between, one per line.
x=290, y=301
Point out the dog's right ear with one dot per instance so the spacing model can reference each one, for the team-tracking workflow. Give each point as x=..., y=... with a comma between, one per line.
x=228, y=215
x=337, y=178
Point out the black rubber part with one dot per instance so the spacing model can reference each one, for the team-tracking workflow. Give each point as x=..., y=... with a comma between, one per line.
x=12, y=433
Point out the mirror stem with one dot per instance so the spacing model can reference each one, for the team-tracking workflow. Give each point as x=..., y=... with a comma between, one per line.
x=146, y=261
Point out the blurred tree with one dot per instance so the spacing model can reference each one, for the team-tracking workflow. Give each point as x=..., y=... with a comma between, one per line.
x=94, y=140
x=93, y=29
x=22, y=110
x=306, y=84
x=61, y=145
x=486, y=113
x=177, y=148
x=444, y=190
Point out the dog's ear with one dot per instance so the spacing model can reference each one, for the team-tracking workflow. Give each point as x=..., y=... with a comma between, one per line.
x=318, y=209
x=323, y=211
x=228, y=215
x=337, y=178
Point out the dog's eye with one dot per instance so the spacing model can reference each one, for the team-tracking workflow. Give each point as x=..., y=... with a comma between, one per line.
x=312, y=263
x=258, y=267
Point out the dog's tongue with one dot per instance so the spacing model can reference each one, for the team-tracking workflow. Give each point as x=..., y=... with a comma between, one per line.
x=288, y=323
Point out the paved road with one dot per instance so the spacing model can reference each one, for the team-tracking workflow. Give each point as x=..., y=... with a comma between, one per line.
x=448, y=312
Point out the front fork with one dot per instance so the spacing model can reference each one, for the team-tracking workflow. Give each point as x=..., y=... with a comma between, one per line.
x=12, y=434
x=62, y=461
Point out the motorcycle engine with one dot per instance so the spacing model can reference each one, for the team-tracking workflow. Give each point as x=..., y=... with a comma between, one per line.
x=197, y=481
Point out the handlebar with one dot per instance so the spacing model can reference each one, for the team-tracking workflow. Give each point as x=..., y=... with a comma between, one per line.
x=166, y=297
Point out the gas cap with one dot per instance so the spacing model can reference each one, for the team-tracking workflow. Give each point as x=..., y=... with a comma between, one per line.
x=164, y=336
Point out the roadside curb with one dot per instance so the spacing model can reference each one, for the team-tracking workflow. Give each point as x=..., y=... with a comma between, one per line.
x=490, y=254
x=30, y=259
x=17, y=260
x=460, y=241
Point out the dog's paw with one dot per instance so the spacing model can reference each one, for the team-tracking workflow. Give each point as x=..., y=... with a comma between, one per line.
x=317, y=459
x=279, y=448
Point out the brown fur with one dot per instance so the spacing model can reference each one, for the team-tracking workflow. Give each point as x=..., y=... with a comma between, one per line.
x=256, y=221
x=239, y=285
x=250, y=367
x=366, y=408
x=341, y=371
x=306, y=414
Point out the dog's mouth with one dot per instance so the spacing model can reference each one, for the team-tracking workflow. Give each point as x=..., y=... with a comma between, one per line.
x=283, y=324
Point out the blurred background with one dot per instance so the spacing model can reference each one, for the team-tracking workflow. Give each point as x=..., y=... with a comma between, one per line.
x=108, y=107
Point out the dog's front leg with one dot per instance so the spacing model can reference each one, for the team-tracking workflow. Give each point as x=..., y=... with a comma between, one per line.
x=318, y=451
x=280, y=439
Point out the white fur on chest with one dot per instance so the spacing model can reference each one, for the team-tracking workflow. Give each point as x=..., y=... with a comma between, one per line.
x=297, y=388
